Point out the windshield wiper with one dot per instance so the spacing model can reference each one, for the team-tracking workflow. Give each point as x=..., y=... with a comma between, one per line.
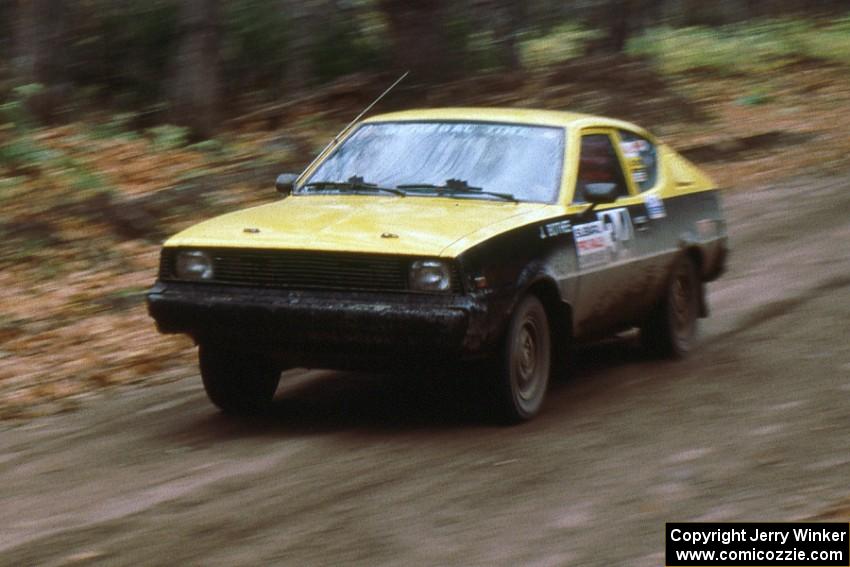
x=353, y=184
x=457, y=187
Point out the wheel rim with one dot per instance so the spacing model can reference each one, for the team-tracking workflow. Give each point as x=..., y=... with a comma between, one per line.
x=527, y=371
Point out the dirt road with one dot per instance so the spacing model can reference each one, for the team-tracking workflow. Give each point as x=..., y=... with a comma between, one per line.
x=358, y=469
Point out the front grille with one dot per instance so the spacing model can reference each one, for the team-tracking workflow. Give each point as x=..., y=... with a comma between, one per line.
x=288, y=269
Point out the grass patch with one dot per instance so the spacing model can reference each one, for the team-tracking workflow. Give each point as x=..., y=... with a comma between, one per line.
x=168, y=137
x=563, y=42
x=752, y=48
x=117, y=127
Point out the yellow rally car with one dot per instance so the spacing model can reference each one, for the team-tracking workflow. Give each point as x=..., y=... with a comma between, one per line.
x=443, y=236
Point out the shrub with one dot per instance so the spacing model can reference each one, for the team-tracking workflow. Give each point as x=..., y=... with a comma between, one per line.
x=563, y=42
x=753, y=47
x=168, y=136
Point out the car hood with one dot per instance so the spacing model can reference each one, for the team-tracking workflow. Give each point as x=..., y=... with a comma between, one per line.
x=358, y=223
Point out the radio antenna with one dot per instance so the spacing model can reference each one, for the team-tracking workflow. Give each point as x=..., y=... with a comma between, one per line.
x=342, y=132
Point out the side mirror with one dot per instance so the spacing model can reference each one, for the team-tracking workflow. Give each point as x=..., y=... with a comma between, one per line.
x=600, y=193
x=285, y=183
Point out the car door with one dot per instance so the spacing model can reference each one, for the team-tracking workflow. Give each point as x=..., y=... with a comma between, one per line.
x=609, y=240
x=653, y=242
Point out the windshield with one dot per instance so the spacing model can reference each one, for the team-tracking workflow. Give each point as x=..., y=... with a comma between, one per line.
x=463, y=159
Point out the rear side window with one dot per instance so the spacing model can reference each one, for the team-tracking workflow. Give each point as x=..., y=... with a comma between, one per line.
x=598, y=163
x=641, y=159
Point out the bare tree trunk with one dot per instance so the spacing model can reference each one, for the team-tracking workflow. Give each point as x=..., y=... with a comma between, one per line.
x=614, y=18
x=418, y=39
x=39, y=49
x=618, y=28
x=305, y=17
x=7, y=29
x=509, y=16
x=197, y=89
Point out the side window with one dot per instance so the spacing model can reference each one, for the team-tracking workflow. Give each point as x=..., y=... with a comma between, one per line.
x=641, y=158
x=598, y=163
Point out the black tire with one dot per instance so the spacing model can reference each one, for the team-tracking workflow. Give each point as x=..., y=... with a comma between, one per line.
x=239, y=383
x=671, y=329
x=525, y=363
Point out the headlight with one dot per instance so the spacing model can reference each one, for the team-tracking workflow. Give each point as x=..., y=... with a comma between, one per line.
x=430, y=275
x=194, y=265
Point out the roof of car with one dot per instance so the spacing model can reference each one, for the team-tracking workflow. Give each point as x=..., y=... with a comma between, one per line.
x=508, y=115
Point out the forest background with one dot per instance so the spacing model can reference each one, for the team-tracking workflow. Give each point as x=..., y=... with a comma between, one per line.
x=124, y=121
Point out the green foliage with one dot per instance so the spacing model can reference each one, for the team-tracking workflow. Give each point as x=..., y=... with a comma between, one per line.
x=10, y=184
x=24, y=152
x=460, y=37
x=830, y=43
x=480, y=51
x=24, y=92
x=145, y=34
x=123, y=54
x=19, y=150
x=23, y=155
x=124, y=47
x=755, y=98
x=213, y=148
x=255, y=43
x=86, y=181
x=754, y=47
x=14, y=113
x=563, y=42
x=118, y=126
x=349, y=45
x=10, y=114
x=700, y=49
x=476, y=46
x=168, y=136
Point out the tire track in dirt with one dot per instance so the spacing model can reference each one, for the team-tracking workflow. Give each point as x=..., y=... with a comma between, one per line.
x=370, y=470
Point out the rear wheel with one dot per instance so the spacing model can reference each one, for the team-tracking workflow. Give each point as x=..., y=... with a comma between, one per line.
x=238, y=382
x=671, y=328
x=525, y=363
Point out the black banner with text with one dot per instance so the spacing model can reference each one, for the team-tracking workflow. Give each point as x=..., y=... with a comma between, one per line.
x=758, y=544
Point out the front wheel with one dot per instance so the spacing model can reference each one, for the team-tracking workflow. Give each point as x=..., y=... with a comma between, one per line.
x=525, y=363
x=671, y=328
x=238, y=382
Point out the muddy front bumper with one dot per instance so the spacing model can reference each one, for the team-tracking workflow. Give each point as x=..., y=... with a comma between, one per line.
x=325, y=329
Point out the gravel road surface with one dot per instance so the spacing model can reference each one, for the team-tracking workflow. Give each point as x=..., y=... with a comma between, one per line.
x=386, y=470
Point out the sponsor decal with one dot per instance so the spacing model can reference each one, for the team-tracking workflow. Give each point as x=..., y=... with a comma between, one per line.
x=605, y=240
x=555, y=229
x=619, y=224
x=639, y=175
x=655, y=207
x=593, y=244
x=633, y=149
